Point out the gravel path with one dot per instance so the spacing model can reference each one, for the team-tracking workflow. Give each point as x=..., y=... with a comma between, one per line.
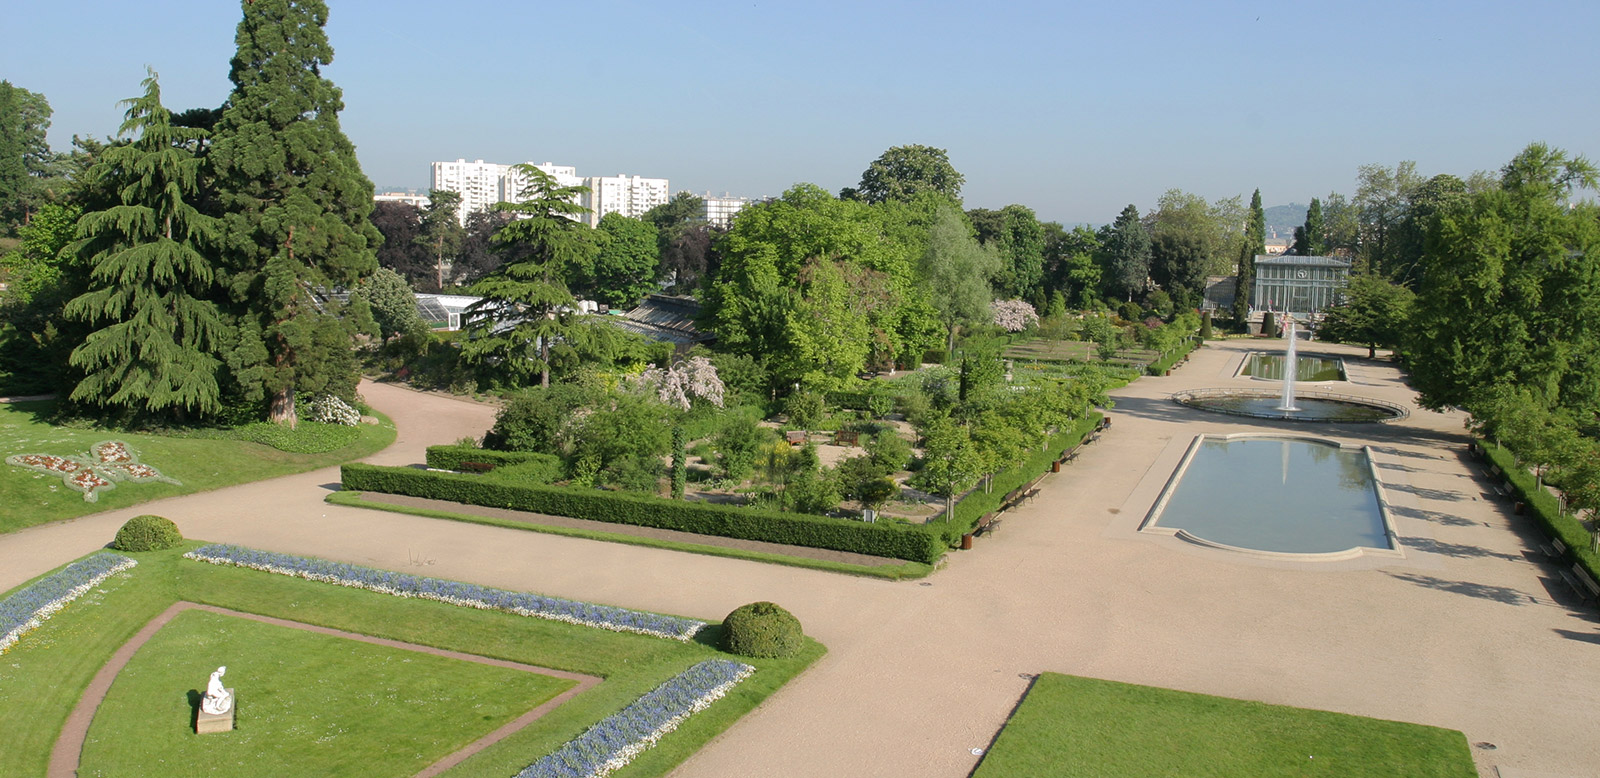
x=1472, y=630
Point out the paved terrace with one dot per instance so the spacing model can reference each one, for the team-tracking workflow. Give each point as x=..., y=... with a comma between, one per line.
x=1469, y=631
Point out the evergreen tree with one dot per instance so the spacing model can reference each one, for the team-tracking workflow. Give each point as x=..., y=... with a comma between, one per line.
x=295, y=208
x=1313, y=229
x=1255, y=242
x=526, y=304
x=442, y=232
x=1127, y=251
x=154, y=349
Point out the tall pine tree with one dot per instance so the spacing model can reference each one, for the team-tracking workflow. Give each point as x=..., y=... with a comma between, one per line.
x=526, y=304
x=154, y=348
x=1255, y=242
x=1127, y=248
x=294, y=206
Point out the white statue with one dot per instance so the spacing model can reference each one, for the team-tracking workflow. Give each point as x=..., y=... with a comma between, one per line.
x=217, y=700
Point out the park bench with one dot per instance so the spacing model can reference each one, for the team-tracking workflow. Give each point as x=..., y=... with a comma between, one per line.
x=846, y=438
x=987, y=524
x=1579, y=580
x=795, y=437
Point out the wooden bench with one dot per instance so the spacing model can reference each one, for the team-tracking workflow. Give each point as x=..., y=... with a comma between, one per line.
x=987, y=524
x=795, y=438
x=1579, y=580
x=846, y=438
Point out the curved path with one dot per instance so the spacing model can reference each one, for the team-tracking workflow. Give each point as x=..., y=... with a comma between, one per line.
x=1470, y=631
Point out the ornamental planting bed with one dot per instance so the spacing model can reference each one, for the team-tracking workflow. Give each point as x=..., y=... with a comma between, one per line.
x=452, y=592
x=653, y=682
x=25, y=609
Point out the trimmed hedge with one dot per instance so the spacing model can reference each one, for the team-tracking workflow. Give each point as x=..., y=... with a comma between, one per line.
x=1544, y=509
x=452, y=457
x=1163, y=365
x=896, y=541
x=978, y=502
x=763, y=630
x=147, y=533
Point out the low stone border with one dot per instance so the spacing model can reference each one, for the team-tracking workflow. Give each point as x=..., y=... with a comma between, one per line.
x=68, y=750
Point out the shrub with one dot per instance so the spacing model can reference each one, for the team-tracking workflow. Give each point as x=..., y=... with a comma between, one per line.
x=762, y=629
x=913, y=543
x=458, y=457
x=147, y=533
x=328, y=409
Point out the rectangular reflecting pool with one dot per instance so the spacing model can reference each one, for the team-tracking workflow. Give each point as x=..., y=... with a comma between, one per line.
x=1307, y=368
x=1274, y=494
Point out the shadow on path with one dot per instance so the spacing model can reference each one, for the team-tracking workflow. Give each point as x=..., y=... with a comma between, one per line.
x=1426, y=493
x=1500, y=594
x=1437, y=517
x=1458, y=550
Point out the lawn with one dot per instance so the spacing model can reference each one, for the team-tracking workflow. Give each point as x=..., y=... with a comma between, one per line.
x=28, y=497
x=43, y=676
x=317, y=704
x=1070, y=726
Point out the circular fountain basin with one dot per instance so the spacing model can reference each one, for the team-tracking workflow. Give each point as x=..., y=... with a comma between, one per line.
x=1311, y=406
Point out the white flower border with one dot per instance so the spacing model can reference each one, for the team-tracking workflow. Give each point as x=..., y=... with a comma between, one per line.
x=45, y=611
x=693, y=627
x=627, y=753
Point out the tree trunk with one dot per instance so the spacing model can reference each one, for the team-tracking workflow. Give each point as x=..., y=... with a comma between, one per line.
x=282, y=410
x=544, y=357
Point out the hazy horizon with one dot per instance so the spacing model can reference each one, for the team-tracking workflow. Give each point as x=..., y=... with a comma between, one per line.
x=1073, y=112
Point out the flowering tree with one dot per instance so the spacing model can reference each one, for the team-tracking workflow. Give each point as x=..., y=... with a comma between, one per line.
x=1013, y=315
x=680, y=383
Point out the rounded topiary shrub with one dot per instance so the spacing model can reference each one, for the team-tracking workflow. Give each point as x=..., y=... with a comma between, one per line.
x=762, y=629
x=147, y=533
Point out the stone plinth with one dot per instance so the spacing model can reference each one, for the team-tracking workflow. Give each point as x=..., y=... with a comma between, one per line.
x=206, y=723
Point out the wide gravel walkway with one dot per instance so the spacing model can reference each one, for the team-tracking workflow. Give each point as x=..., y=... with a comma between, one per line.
x=1470, y=631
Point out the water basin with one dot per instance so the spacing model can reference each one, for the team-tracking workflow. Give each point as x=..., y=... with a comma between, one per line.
x=1275, y=495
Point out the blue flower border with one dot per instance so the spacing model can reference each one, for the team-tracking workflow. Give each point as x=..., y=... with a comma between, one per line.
x=27, y=608
x=452, y=592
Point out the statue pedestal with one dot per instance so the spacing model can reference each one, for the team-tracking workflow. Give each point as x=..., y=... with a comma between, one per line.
x=206, y=723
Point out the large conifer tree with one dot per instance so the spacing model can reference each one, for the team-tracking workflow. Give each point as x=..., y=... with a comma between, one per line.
x=154, y=349
x=1255, y=242
x=294, y=205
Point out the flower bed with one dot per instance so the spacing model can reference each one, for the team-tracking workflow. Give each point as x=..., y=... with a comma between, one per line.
x=618, y=738
x=107, y=462
x=452, y=592
x=25, y=610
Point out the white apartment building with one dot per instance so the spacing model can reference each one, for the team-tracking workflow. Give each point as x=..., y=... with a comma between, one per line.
x=719, y=211
x=482, y=184
x=409, y=198
x=479, y=184
x=628, y=195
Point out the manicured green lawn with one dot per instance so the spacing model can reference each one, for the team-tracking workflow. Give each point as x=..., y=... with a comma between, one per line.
x=28, y=497
x=317, y=704
x=1070, y=726
x=42, y=677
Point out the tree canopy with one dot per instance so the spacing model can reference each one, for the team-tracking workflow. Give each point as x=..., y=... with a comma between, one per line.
x=903, y=172
x=294, y=204
x=154, y=347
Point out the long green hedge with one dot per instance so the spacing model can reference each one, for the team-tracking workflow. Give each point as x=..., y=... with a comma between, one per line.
x=896, y=541
x=1542, y=506
x=1164, y=364
x=978, y=502
x=452, y=457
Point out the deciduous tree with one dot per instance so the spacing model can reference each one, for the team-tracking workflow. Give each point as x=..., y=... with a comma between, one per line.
x=903, y=172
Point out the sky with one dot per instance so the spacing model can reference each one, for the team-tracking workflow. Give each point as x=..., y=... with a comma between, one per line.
x=1073, y=109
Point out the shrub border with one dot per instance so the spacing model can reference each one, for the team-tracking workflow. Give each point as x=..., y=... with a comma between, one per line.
x=1543, y=507
x=910, y=542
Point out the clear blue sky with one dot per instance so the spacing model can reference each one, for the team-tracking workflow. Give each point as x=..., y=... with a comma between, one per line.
x=1073, y=109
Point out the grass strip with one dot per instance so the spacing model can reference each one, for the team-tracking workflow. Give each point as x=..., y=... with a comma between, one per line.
x=895, y=571
x=1071, y=726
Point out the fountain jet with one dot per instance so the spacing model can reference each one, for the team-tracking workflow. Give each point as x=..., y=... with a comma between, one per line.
x=1289, y=367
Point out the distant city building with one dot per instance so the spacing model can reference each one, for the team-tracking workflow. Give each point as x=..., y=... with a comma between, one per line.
x=479, y=183
x=630, y=196
x=482, y=184
x=409, y=198
x=1299, y=285
x=719, y=211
